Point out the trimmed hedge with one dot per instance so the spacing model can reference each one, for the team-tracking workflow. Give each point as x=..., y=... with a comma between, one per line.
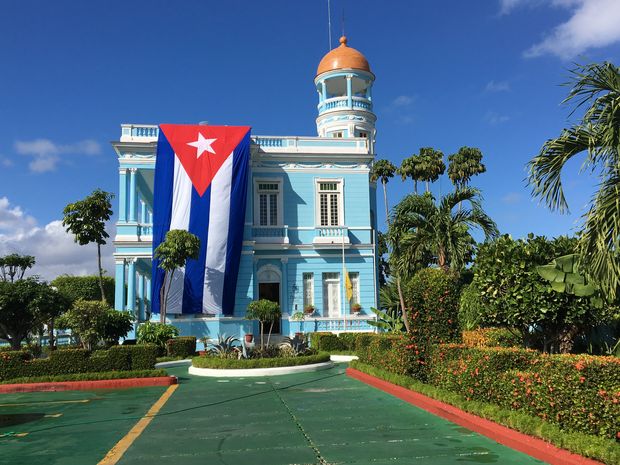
x=228, y=363
x=343, y=342
x=603, y=449
x=492, y=337
x=182, y=346
x=576, y=392
x=95, y=376
x=396, y=353
x=71, y=361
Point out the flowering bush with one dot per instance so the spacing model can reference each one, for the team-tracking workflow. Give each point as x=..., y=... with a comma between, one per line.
x=491, y=337
x=397, y=353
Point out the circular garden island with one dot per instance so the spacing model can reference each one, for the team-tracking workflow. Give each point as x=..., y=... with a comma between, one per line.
x=229, y=357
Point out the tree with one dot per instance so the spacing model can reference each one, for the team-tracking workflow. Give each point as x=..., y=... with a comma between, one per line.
x=84, y=287
x=177, y=248
x=384, y=266
x=409, y=168
x=514, y=295
x=422, y=226
x=465, y=164
x=86, y=219
x=597, y=133
x=265, y=311
x=92, y=321
x=430, y=165
x=384, y=170
x=18, y=309
x=51, y=303
x=14, y=266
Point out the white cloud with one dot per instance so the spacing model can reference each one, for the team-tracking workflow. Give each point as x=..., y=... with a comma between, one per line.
x=494, y=118
x=497, y=86
x=47, y=153
x=593, y=24
x=6, y=162
x=402, y=101
x=512, y=198
x=54, y=249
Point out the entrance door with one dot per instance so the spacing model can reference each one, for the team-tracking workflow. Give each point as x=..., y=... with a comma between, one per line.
x=270, y=291
x=331, y=295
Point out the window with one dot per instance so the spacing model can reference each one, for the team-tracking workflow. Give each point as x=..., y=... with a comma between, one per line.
x=308, y=283
x=337, y=134
x=268, y=195
x=355, y=285
x=329, y=203
x=363, y=134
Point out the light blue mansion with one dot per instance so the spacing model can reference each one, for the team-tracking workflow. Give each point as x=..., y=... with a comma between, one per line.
x=310, y=202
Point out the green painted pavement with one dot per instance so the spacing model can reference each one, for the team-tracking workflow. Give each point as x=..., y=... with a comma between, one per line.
x=315, y=418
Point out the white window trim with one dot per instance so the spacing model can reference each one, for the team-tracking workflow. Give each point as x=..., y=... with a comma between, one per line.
x=317, y=201
x=280, y=219
x=310, y=289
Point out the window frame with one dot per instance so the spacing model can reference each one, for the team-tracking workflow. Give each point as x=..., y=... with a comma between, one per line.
x=279, y=203
x=307, y=277
x=317, y=201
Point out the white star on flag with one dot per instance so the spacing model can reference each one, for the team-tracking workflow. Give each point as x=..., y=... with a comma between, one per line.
x=202, y=145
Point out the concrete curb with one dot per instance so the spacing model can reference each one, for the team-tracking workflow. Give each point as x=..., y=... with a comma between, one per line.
x=88, y=385
x=174, y=363
x=529, y=445
x=343, y=358
x=251, y=372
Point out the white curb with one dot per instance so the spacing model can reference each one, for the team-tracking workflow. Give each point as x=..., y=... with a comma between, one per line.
x=248, y=372
x=343, y=358
x=174, y=363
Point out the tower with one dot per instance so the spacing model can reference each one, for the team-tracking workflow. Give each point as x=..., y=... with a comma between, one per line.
x=344, y=84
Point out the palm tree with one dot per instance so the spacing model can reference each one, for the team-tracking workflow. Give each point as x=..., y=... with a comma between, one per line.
x=409, y=168
x=596, y=86
x=421, y=226
x=431, y=165
x=465, y=164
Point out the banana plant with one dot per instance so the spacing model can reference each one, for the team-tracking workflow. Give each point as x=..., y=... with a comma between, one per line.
x=387, y=322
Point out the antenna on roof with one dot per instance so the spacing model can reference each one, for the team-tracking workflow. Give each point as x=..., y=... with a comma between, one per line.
x=329, y=25
x=343, y=34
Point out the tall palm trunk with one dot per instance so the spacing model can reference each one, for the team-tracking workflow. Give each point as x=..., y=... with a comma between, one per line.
x=100, y=273
x=415, y=186
x=400, y=291
x=427, y=186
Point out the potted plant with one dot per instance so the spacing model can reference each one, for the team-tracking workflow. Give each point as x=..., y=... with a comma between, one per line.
x=299, y=316
x=309, y=309
x=249, y=337
x=356, y=308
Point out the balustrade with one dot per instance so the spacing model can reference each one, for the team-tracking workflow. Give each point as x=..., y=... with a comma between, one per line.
x=270, y=234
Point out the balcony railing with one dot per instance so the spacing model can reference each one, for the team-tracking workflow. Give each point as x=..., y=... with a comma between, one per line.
x=331, y=235
x=145, y=230
x=270, y=234
x=350, y=323
x=139, y=132
x=339, y=103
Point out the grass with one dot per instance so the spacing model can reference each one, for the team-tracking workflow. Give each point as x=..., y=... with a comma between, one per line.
x=88, y=376
x=596, y=447
x=170, y=359
x=229, y=363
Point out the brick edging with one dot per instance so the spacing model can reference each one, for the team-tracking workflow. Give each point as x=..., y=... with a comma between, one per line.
x=88, y=385
x=529, y=445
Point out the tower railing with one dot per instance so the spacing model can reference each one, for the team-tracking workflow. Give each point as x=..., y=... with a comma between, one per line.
x=342, y=103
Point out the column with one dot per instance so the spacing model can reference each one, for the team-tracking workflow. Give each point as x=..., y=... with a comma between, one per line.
x=131, y=285
x=132, y=195
x=349, y=91
x=255, y=277
x=142, y=212
x=147, y=300
x=323, y=90
x=122, y=195
x=369, y=91
x=149, y=217
x=285, y=308
x=141, y=308
x=119, y=284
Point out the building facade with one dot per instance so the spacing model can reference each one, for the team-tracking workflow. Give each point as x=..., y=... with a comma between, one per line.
x=310, y=207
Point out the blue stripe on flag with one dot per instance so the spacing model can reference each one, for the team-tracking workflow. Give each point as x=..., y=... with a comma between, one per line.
x=195, y=269
x=238, y=201
x=162, y=209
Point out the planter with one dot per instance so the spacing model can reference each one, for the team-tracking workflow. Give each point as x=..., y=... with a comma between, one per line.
x=249, y=338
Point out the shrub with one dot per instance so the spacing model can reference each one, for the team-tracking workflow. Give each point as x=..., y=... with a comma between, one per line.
x=183, y=346
x=470, y=308
x=265, y=311
x=84, y=287
x=349, y=340
x=492, y=337
x=156, y=333
x=328, y=342
x=89, y=376
x=143, y=356
x=396, y=353
x=227, y=363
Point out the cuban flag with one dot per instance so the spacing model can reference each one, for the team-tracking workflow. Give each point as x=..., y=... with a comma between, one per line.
x=201, y=177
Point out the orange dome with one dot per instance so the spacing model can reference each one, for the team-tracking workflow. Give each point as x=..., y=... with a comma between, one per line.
x=343, y=57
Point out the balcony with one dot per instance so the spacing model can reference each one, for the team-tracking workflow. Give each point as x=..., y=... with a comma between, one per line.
x=331, y=235
x=348, y=323
x=342, y=103
x=270, y=234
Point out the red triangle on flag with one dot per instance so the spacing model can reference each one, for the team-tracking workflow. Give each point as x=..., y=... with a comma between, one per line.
x=202, y=150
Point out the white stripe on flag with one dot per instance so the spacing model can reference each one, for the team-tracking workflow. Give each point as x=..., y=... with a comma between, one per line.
x=181, y=206
x=215, y=261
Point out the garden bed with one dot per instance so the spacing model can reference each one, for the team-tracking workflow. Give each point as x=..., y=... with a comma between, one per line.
x=226, y=367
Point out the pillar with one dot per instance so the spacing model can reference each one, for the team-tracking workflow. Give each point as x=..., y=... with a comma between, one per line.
x=149, y=217
x=122, y=195
x=148, y=297
x=119, y=283
x=369, y=91
x=323, y=90
x=255, y=277
x=131, y=285
x=132, y=195
x=142, y=212
x=349, y=91
x=141, y=297
x=285, y=308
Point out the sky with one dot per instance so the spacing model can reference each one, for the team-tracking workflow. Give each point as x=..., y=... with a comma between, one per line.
x=449, y=73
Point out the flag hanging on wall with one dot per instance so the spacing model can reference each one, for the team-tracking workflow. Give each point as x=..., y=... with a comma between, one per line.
x=201, y=186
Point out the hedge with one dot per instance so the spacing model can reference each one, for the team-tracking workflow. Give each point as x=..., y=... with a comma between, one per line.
x=343, y=342
x=20, y=364
x=227, y=363
x=91, y=376
x=397, y=353
x=492, y=337
x=183, y=346
x=596, y=447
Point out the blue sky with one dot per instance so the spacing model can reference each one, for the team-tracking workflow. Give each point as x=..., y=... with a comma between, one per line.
x=449, y=73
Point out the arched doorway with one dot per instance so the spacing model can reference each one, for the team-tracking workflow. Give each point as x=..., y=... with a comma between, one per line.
x=269, y=283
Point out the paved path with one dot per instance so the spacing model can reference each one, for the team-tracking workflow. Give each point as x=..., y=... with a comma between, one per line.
x=307, y=419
